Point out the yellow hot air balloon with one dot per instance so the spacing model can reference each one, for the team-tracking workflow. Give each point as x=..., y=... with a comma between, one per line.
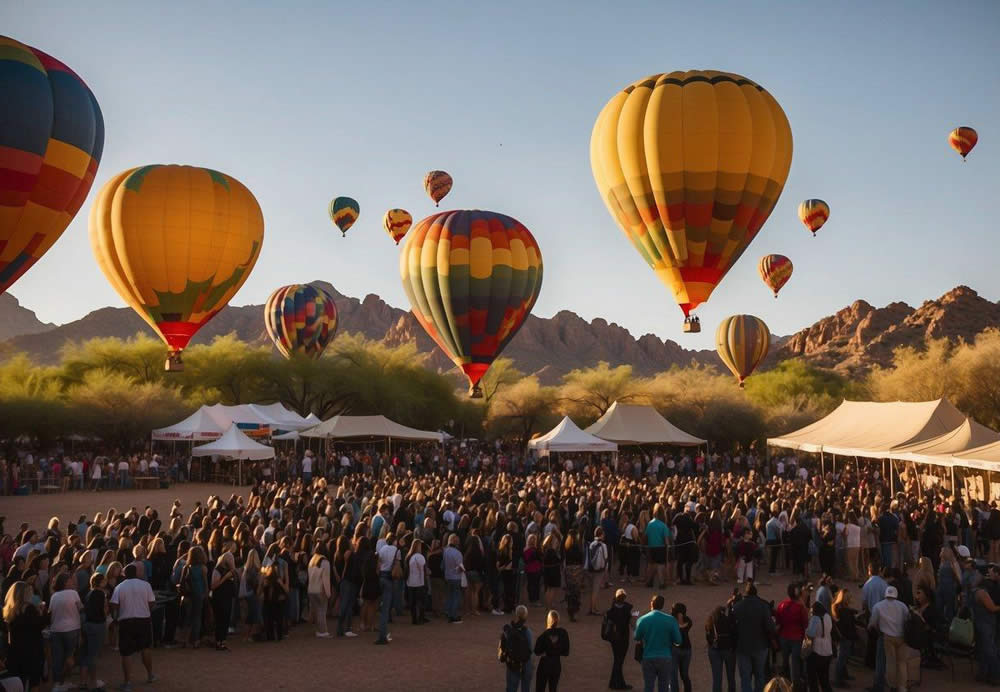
x=813, y=213
x=396, y=223
x=690, y=165
x=742, y=342
x=775, y=271
x=176, y=242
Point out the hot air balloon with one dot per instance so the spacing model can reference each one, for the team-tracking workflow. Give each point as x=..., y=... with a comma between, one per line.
x=176, y=242
x=396, y=223
x=690, y=165
x=438, y=184
x=814, y=213
x=472, y=277
x=344, y=211
x=963, y=140
x=775, y=270
x=51, y=140
x=300, y=319
x=742, y=342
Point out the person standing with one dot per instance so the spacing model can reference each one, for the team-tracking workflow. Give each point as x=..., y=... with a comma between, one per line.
x=453, y=569
x=320, y=589
x=984, y=615
x=597, y=566
x=845, y=619
x=616, y=631
x=416, y=578
x=820, y=631
x=658, y=634
x=720, y=635
x=224, y=583
x=131, y=601
x=888, y=619
x=682, y=652
x=64, y=608
x=792, y=617
x=25, y=622
x=657, y=534
x=95, y=608
x=754, y=630
x=515, y=651
x=551, y=644
x=389, y=561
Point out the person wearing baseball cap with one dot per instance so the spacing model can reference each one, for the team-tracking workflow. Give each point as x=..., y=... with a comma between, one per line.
x=888, y=619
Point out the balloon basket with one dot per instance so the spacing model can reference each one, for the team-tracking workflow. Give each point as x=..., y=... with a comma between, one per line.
x=692, y=327
x=174, y=363
x=475, y=392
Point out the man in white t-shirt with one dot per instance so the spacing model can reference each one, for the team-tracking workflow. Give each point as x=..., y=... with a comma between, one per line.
x=123, y=473
x=416, y=581
x=803, y=473
x=65, y=607
x=131, y=601
x=307, y=467
x=96, y=471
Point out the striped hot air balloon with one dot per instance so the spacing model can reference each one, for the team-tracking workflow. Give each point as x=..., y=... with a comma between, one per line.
x=396, y=223
x=437, y=184
x=814, y=213
x=344, y=211
x=51, y=140
x=963, y=140
x=775, y=271
x=300, y=319
x=177, y=243
x=690, y=165
x=742, y=342
x=471, y=277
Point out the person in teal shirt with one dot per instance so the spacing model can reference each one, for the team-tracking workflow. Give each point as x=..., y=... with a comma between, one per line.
x=659, y=633
x=657, y=533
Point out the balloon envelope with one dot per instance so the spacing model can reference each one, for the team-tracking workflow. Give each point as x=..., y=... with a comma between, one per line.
x=300, y=319
x=51, y=140
x=396, y=223
x=775, y=271
x=177, y=243
x=742, y=342
x=344, y=211
x=690, y=165
x=471, y=277
x=963, y=139
x=437, y=184
x=814, y=213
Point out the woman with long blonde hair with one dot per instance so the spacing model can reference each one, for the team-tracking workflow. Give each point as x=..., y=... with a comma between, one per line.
x=25, y=622
x=550, y=646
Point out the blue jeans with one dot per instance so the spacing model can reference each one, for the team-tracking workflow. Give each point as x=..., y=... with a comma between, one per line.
x=520, y=681
x=63, y=645
x=348, y=598
x=843, y=652
x=682, y=661
x=791, y=658
x=385, y=608
x=879, y=682
x=752, y=664
x=986, y=652
x=196, y=604
x=93, y=634
x=887, y=554
x=718, y=658
x=657, y=673
x=398, y=602
x=453, y=600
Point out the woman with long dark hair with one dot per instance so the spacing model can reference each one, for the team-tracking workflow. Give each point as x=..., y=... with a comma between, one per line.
x=224, y=582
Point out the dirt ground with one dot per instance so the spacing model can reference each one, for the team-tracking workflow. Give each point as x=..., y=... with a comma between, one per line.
x=432, y=657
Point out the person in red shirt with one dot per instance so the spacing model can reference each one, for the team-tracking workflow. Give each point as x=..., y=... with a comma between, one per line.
x=792, y=616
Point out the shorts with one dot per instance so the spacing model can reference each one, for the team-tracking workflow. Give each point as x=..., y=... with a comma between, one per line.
x=134, y=635
x=473, y=576
x=658, y=556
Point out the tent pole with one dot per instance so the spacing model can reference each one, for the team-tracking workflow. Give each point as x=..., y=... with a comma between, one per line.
x=892, y=478
x=953, y=494
x=822, y=463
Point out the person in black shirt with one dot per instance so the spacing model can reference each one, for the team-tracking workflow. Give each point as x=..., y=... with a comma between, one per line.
x=95, y=613
x=620, y=616
x=685, y=530
x=682, y=652
x=720, y=634
x=550, y=645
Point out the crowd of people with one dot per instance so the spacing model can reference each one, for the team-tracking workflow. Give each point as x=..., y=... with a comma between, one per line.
x=356, y=547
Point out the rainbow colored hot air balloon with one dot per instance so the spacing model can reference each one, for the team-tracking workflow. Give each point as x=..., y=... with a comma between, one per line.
x=300, y=319
x=437, y=184
x=742, y=342
x=963, y=140
x=690, y=165
x=775, y=271
x=344, y=211
x=396, y=223
x=471, y=277
x=814, y=213
x=51, y=140
x=177, y=243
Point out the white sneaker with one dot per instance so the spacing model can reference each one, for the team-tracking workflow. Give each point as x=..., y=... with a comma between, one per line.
x=497, y=612
x=323, y=635
x=350, y=634
x=100, y=683
x=388, y=637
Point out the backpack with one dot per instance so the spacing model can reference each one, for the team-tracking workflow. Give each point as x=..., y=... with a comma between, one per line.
x=609, y=628
x=515, y=650
x=596, y=557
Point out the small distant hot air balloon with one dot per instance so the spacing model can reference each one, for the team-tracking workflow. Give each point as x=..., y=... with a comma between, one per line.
x=690, y=165
x=775, y=270
x=51, y=140
x=396, y=223
x=742, y=342
x=814, y=213
x=344, y=211
x=176, y=242
x=471, y=277
x=438, y=184
x=963, y=140
x=300, y=319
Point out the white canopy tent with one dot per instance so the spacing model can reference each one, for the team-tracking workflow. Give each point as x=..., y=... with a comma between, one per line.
x=631, y=424
x=286, y=420
x=200, y=425
x=235, y=445
x=340, y=427
x=969, y=436
x=567, y=437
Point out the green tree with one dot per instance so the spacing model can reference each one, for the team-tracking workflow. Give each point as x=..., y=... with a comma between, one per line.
x=523, y=409
x=918, y=375
x=502, y=373
x=140, y=358
x=31, y=400
x=228, y=371
x=589, y=392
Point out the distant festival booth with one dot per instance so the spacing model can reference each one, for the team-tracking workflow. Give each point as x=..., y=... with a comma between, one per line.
x=236, y=446
x=568, y=438
x=931, y=442
x=632, y=424
x=367, y=428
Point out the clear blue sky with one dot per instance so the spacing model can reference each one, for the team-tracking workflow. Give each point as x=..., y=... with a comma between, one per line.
x=361, y=98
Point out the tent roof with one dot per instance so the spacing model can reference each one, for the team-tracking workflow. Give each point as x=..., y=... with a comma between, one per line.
x=244, y=415
x=200, y=425
x=293, y=435
x=567, y=437
x=368, y=426
x=969, y=435
x=287, y=420
x=630, y=424
x=874, y=429
x=236, y=445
